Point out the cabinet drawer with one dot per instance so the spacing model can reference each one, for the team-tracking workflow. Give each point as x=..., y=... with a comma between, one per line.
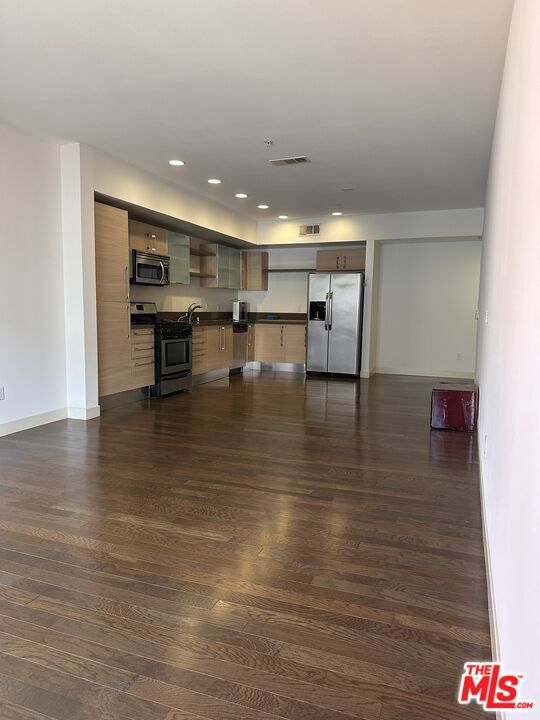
x=142, y=350
x=142, y=372
x=142, y=332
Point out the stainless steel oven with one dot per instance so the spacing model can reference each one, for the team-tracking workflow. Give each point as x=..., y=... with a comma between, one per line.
x=149, y=269
x=173, y=358
x=175, y=352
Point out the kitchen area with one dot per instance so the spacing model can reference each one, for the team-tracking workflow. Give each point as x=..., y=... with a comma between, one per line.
x=175, y=310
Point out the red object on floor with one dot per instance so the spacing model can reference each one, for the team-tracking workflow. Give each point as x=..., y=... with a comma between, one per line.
x=454, y=406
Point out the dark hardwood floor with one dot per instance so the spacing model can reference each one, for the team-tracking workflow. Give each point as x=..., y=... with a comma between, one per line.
x=275, y=548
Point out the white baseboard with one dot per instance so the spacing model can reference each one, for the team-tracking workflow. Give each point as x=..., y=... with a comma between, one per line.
x=424, y=373
x=77, y=413
x=367, y=373
x=32, y=421
x=8, y=428
x=492, y=610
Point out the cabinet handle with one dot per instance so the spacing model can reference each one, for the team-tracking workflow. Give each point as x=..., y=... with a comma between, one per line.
x=249, y=335
x=128, y=320
x=223, y=329
x=337, y=262
x=282, y=328
x=148, y=362
x=127, y=282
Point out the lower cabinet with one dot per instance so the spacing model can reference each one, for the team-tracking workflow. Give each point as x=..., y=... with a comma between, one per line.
x=250, y=357
x=198, y=350
x=142, y=357
x=212, y=348
x=280, y=343
x=125, y=355
x=295, y=343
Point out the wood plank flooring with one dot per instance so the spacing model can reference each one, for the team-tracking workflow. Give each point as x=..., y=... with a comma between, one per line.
x=273, y=547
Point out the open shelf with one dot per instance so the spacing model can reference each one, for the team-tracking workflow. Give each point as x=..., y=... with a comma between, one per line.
x=201, y=253
x=195, y=273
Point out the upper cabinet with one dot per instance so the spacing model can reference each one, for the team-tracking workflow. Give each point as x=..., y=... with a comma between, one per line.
x=254, y=270
x=112, y=253
x=342, y=259
x=179, y=253
x=220, y=267
x=147, y=238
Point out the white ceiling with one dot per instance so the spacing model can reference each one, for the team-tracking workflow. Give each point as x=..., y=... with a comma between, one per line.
x=394, y=98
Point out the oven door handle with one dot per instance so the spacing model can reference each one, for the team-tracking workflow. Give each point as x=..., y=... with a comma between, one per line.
x=162, y=278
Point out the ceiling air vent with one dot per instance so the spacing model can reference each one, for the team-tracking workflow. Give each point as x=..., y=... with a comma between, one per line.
x=290, y=161
x=309, y=230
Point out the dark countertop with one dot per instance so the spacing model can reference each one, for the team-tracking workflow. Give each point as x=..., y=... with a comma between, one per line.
x=228, y=321
x=225, y=318
x=285, y=321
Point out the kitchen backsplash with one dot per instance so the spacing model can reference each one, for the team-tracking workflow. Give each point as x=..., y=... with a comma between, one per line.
x=177, y=297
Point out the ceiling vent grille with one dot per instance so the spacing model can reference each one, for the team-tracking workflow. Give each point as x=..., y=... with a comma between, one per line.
x=304, y=230
x=290, y=161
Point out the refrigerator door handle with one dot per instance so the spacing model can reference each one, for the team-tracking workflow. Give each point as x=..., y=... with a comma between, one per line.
x=330, y=308
x=327, y=311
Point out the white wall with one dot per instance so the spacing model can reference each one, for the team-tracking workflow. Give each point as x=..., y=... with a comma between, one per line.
x=509, y=355
x=427, y=298
x=466, y=222
x=32, y=354
x=120, y=180
x=287, y=292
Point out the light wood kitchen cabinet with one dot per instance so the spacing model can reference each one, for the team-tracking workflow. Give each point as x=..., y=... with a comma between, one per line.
x=114, y=347
x=250, y=357
x=295, y=343
x=254, y=270
x=198, y=351
x=269, y=345
x=212, y=348
x=142, y=357
x=280, y=343
x=147, y=238
x=340, y=259
x=112, y=253
x=125, y=354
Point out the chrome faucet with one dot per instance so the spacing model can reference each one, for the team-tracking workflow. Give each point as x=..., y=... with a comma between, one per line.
x=191, y=309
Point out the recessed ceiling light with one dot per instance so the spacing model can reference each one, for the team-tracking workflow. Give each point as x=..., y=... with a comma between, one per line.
x=176, y=162
x=283, y=217
x=338, y=212
x=214, y=181
x=263, y=207
x=241, y=195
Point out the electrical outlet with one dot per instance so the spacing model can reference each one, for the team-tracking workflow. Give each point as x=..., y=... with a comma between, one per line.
x=2, y=393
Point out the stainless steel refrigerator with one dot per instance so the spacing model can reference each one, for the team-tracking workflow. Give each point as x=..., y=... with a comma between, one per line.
x=334, y=336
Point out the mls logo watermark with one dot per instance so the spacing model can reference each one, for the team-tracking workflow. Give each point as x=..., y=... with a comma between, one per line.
x=485, y=684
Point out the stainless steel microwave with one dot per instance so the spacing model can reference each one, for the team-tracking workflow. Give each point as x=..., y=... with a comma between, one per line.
x=149, y=269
